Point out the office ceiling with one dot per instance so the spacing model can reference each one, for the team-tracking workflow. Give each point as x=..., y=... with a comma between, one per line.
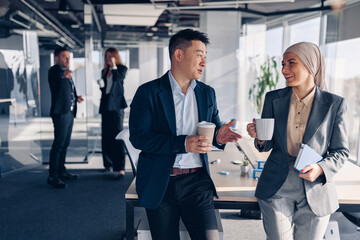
x=123, y=22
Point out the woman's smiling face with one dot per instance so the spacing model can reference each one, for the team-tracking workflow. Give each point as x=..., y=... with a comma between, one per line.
x=294, y=71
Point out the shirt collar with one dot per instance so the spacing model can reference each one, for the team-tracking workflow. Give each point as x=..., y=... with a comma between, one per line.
x=175, y=86
x=306, y=100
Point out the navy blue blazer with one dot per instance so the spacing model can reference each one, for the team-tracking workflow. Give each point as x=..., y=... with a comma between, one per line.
x=116, y=100
x=60, y=89
x=152, y=126
x=325, y=132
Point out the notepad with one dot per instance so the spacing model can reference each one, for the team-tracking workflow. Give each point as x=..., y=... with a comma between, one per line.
x=305, y=157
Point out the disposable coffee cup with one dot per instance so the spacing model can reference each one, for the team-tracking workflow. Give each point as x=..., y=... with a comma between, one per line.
x=265, y=128
x=101, y=83
x=206, y=129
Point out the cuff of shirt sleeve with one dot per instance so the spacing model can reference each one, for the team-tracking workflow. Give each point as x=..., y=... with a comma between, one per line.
x=220, y=144
x=114, y=68
x=179, y=145
x=259, y=144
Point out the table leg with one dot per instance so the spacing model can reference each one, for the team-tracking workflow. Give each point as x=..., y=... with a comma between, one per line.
x=129, y=220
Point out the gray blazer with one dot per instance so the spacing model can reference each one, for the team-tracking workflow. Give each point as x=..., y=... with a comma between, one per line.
x=325, y=133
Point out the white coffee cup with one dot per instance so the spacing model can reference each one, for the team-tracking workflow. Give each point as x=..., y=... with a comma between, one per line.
x=101, y=83
x=265, y=128
x=206, y=129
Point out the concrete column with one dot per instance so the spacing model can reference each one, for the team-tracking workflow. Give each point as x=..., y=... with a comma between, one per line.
x=222, y=66
x=45, y=94
x=89, y=76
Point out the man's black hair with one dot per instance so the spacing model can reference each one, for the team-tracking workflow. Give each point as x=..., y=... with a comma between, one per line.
x=58, y=50
x=183, y=40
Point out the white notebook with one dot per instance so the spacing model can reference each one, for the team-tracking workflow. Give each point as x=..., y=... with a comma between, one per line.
x=305, y=157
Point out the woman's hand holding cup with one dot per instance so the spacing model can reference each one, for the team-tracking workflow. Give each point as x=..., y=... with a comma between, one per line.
x=251, y=129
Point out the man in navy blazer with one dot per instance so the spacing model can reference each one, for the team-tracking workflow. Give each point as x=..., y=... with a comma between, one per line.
x=64, y=101
x=173, y=179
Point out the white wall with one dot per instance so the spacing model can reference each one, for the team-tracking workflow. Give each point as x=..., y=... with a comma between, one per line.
x=148, y=62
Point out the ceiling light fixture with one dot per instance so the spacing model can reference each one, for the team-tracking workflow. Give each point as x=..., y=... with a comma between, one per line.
x=243, y=2
x=62, y=7
x=220, y=4
x=59, y=43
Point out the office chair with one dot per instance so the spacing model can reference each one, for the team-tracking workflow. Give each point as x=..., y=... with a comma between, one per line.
x=132, y=152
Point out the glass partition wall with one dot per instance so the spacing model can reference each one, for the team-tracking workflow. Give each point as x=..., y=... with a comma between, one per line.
x=26, y=129
x=19, y=102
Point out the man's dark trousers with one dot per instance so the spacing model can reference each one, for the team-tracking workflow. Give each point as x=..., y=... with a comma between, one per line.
x=63, y=124
x=189, y=196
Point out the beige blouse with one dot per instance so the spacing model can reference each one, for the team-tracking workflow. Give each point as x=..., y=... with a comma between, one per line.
x=297, y=120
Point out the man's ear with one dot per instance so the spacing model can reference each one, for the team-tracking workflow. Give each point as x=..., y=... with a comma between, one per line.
x=56, y=59
x=178, y=55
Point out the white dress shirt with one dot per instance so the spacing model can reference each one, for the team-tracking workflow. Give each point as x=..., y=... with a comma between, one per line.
x=186, y=113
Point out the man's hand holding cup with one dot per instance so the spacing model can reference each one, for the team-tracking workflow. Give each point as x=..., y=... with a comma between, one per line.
x=203, y=142
x=198, y=144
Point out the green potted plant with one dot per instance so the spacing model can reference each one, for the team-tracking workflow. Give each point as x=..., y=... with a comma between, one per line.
x=267, y=80
x=245, y=166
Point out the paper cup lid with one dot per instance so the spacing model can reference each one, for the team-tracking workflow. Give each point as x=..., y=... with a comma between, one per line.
x=206, y=124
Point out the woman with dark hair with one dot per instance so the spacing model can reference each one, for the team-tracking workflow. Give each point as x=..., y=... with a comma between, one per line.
x=112, y=106
x=297, y=205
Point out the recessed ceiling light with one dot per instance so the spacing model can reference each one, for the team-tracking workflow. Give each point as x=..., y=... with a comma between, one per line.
x=155, y=37
x=62, y=7
x=149, y=34
x=63, y=12
x=75, y=25
x=154, y=29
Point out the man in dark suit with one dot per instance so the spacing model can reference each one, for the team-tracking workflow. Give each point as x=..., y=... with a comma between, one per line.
x=173, y=179
x=63, y=111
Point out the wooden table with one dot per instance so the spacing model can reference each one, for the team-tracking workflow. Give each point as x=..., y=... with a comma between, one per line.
x=237, y=191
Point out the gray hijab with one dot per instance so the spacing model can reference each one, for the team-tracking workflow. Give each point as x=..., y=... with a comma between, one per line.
x=313, y=60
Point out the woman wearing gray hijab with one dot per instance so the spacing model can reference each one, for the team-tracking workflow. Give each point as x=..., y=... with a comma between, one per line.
x=298, y=205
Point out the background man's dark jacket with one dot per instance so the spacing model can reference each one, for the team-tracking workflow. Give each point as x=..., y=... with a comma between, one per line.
x=60, y=92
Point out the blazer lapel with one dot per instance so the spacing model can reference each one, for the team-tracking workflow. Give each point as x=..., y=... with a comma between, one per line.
x=281, y=112
x=201, y=101
x=167, y=102
x=318, y=112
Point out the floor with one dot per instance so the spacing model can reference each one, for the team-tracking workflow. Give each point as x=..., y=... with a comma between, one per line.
x=93, y=207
